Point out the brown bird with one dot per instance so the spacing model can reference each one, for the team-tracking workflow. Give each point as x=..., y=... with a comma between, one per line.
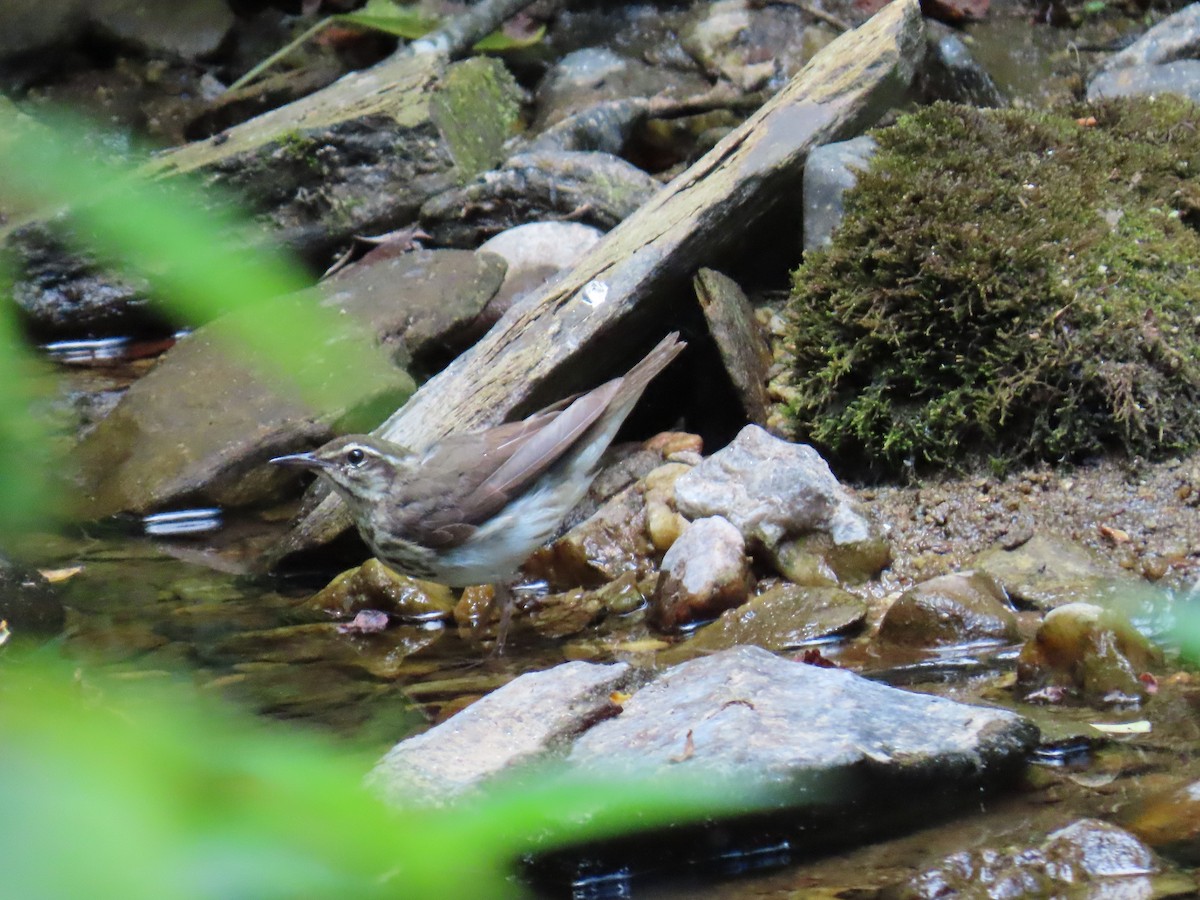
x=474, y=506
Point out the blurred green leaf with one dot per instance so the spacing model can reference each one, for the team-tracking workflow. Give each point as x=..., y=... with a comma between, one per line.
x=132, y=789
x=201, y=257
x=499, y=41
x=27, y=498
x=137, y=790
x=403, y=20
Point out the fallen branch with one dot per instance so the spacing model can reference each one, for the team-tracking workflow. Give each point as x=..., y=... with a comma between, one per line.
x=579, y=324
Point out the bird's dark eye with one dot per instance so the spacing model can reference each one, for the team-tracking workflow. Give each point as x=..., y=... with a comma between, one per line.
x=355, y=456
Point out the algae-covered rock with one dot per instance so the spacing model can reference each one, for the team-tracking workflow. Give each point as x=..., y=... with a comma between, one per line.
x=1009, y=284
x=374, y=586
x=783, y=617
x=958, y=608
x=1084, y=652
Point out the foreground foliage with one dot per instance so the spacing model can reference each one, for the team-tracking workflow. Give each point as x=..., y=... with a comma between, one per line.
x=1011, y=285
x=133, y=786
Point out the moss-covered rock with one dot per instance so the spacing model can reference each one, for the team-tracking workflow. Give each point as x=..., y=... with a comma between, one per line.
x=1007, y=284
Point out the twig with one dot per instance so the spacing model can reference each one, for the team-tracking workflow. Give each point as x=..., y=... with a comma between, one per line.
x=720, y=96
x=279, y=54
x=817, y=13
x=460, y=34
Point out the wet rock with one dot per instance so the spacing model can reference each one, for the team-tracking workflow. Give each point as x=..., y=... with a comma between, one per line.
x=597, y=189
x=1086, y=653
x=187, y=30
x=63, y=295
x=560, y=615
x=32, y=25
x=1048, y=571
x=1182, y=77
x=600, y=549
x=201, y=425
x=585, y=77
x=951, y=73
x=749, y=714
x=476, y=606
x=769, y=490
x=1164, y=59
x=829, y=172
x=816, y=559
x=739, y=339
x=1175, y=37
x=535, y=254
x=783, y=617
x=704, y=573
x=1169, y=822
x=1088, y=858
x=961, y=608
x=522, y=722
x=753, y=45
x=664, y=524
x=28, y=602
x=374, y=586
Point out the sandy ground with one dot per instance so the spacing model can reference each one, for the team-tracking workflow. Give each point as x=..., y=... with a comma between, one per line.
x=1144, y=516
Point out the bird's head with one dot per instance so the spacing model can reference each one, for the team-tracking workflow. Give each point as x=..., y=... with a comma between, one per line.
x=362, y=468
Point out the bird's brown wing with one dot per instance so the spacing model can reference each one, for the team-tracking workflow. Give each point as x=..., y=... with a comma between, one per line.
x=481, y=471
x=540, y=450
x=478, y=472
x=499, y=463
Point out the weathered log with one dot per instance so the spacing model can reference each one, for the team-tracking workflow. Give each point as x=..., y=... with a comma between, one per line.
x=363, y=154
x=648, y=259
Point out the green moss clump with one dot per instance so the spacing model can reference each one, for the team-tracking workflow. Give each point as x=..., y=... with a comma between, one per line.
x=1009, y=285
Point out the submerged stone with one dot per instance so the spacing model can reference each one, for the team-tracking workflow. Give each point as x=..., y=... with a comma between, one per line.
x=1169, y=822
x=559, y=615
x=28, y=602
x=375, y=586
x=960, y=608
x=783, y=617
x=1084, y=652
x=1088, y=858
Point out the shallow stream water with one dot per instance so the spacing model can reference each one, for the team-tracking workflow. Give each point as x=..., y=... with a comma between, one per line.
x=165, y=596
x=155, y=607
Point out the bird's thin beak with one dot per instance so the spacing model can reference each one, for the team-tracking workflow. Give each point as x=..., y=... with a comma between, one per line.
x=302, y=461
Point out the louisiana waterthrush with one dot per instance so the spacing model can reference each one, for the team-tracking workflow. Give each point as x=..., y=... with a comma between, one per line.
x=474, y=506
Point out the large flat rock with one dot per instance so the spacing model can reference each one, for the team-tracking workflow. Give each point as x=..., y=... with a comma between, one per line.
x=748, y=713
x=201, y=425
